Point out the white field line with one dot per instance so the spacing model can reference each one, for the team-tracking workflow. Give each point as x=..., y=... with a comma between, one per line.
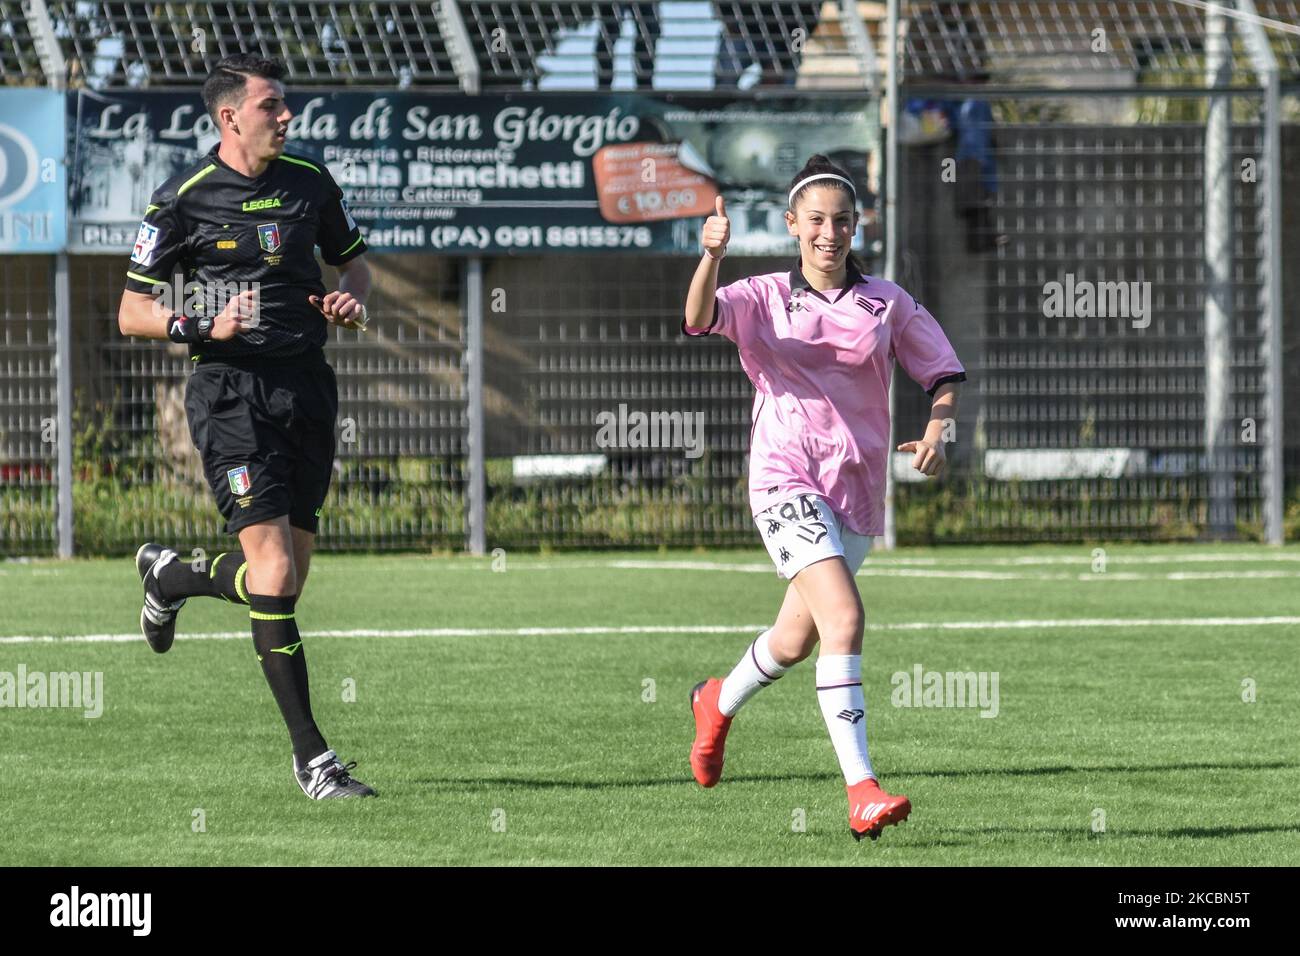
x=409, y=632
x=1208, y=557
x=881, y=562
x=878, y=571
x=883, y=569
x=1011, y=625
x=526, y=563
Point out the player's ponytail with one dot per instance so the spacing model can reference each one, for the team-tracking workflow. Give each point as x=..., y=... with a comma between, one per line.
x=819, y=165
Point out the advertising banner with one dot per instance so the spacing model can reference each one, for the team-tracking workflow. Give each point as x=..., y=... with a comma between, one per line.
x=33, y=181
x=493, y=174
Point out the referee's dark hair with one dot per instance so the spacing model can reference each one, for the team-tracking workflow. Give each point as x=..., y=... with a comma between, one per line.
x=230, y=74
x=816, y=165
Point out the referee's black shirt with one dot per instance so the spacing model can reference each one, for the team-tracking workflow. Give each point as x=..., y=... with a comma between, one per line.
x=219, y=226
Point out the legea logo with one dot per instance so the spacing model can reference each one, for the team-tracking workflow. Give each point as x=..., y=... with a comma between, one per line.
x=19, y=166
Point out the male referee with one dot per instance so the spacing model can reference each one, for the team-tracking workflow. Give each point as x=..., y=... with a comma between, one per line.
x=261, y=401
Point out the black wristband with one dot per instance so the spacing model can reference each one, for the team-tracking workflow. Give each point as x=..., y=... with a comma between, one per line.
x=187, y=329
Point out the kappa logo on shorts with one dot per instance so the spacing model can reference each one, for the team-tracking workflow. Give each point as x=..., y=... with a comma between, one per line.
x=268, y=236
x=239, y=480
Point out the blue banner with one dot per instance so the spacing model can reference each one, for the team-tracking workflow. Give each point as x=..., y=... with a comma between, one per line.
x=33, y=182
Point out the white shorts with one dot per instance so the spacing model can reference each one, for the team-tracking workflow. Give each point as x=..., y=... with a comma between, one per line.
x=802, y=530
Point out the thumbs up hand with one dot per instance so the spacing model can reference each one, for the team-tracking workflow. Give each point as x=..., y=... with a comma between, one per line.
x=716, y=231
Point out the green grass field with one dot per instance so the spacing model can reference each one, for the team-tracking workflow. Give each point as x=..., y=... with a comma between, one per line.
x=565, y=747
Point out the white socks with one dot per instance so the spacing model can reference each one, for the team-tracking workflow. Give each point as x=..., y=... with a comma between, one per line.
x=844, y=708
x=754, y=671
x=839, y=694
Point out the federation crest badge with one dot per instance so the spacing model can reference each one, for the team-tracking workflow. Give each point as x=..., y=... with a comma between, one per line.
x=268, y=236
x=239, y=481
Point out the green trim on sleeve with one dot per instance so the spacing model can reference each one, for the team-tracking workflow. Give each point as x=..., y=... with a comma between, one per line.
x=351, y=247
x=195, y=178
x=301, y=162
x=139, y=278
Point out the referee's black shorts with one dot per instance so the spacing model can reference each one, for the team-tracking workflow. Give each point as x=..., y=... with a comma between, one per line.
x=265, y=431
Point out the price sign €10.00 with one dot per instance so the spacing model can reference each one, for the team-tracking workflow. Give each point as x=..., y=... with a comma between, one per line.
x=644, y=182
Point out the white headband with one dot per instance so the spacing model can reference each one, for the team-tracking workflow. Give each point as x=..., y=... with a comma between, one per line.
x=804, y=182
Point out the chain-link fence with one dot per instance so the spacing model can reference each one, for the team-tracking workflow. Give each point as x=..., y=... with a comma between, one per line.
x=1089, y=284
x=667, y=45
x=399, y=474
x=606, y=426
x=28, y=405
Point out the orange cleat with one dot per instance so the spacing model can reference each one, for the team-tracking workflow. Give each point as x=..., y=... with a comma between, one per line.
x=711, y=728
x=871, y=809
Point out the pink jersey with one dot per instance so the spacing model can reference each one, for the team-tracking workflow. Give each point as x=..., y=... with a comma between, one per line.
x=821, y=366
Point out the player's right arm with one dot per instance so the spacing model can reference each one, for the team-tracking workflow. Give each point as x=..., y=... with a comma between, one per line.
x=144, y=310
x=704, y=284
x=143, y=315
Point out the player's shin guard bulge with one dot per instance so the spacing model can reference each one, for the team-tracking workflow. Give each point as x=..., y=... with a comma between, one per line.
x=284, y=663
x=227, y=577
x=711, y=727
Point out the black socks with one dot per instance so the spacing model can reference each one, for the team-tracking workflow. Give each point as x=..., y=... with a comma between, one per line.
x=227, y=576
x=284, y=662
x=275, y=638
x=223, y=578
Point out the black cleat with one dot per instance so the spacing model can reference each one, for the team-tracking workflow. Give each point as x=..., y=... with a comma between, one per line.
x=325, y=778
x=158, y=616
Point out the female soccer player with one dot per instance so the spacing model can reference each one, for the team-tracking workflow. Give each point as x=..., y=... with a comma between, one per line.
x=819, y=344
